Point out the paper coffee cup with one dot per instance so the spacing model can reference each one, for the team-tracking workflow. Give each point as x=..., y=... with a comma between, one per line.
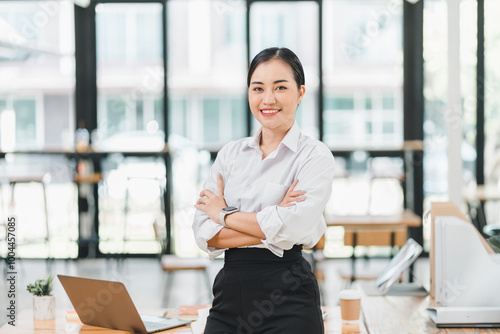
x=350, y=305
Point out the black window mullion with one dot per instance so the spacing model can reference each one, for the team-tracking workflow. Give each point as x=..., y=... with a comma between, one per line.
x=249, y=113
x=413, y=108
x=167, y=199
x=320, y=70
x=480, y=82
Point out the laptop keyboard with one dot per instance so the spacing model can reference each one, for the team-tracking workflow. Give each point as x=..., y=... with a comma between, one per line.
x=154, y=326
x=156, y=323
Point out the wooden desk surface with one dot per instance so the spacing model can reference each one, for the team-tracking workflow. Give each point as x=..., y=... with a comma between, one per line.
x=404, y=314
x=380, y=314
x=26, y=325
x=406, y=218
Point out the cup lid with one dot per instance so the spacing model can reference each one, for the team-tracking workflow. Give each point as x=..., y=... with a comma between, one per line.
x=349, y=294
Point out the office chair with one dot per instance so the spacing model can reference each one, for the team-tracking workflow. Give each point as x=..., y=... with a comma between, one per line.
x=172, y=263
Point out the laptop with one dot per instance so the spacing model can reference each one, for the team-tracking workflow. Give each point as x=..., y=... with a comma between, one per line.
x=108, y=304
x=384, y=284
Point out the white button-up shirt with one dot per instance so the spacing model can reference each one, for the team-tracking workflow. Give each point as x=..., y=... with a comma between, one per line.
x=253, y=184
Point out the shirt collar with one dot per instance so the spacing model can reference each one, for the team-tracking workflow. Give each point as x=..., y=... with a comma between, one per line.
x=291, y=139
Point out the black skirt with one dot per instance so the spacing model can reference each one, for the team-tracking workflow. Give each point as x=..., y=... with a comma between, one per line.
x=259, y=292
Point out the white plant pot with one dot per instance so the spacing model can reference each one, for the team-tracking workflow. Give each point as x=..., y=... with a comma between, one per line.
x=44, y=307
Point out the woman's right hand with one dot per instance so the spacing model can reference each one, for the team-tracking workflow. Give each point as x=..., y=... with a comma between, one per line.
x=292, y=196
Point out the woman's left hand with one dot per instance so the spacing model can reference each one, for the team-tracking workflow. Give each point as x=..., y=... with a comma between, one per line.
x=211, y=203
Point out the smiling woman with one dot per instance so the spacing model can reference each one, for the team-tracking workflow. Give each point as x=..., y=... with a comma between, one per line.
x=273, y=97
x=250, y=209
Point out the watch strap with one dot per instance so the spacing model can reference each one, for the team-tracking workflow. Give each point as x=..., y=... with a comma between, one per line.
x=222, y=220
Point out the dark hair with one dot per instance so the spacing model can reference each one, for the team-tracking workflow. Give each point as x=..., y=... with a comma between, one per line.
x=278, y=53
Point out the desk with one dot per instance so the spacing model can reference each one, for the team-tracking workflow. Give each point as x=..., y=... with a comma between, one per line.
x=371, y=230
x=380, y=315
x=404, y=314
x=26, y=325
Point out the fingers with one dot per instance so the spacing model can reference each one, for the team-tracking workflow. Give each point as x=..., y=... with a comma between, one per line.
x=206, y=193
x=202, y=201
x=287, y=202
x=201, y=207
x=294, y=199
x=220, y=186
x=290, y=200
x=292, y=186
x=296, y=193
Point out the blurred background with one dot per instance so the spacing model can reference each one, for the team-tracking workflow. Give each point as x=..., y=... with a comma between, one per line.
x=111, y=112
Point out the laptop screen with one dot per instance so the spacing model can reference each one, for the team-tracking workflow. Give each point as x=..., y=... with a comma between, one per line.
x=398, y=264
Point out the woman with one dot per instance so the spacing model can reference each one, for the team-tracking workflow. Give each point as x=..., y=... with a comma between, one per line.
x=251, y=210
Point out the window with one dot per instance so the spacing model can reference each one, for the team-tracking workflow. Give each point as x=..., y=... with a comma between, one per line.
x=293, y=25
x=37, y=75
x=37, y=82
x=362, y=68
x=437, y=113
x=130, y=77
x=207, y=97
x=26, y=132
x=366, y=119
x=131, y=199
x=207, y=70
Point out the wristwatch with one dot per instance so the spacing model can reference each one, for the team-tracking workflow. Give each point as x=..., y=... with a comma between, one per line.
x=224, y=212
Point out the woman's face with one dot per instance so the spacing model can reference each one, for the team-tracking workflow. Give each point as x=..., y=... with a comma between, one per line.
x=273, y=95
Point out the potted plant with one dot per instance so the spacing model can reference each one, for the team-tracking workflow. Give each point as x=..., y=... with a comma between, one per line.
x=43, y=302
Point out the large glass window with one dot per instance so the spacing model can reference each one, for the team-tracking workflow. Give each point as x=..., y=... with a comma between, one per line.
x=44, y=199
x=37, y=74
x=207, y=97
x=206, y=71
x=130, y=77
x=435, y=74
x=437, y=112
x=293, y=25
x=37, y=82
x=131, y=201
x=362, y=67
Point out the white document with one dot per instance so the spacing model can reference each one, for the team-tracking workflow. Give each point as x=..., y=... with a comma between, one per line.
x=465, y=274
x=465, y=316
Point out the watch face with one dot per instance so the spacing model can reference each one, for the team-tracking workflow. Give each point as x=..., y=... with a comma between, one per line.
x=229, y=209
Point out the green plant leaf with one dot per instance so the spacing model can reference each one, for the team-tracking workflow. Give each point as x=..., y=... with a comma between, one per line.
x=42, y=287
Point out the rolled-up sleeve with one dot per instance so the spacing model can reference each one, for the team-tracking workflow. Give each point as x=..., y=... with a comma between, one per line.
x=302, y=223
x=205, y=228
